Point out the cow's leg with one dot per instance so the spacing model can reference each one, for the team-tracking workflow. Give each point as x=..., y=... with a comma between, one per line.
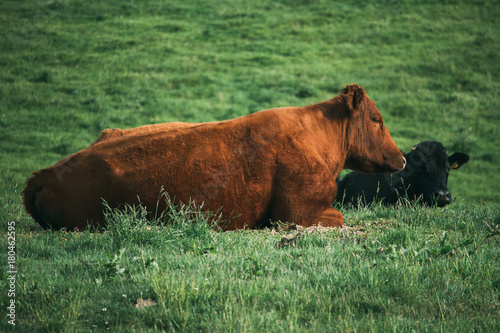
x=307, y=200
x=307, y=216
x=330, y=217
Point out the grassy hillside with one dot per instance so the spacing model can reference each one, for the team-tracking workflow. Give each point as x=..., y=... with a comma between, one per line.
x=71, y=68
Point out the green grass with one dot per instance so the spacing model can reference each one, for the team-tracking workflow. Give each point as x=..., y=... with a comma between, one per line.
x=69, y=69
x=403, y=269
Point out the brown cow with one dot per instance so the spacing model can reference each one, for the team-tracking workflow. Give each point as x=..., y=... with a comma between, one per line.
x=277, y=164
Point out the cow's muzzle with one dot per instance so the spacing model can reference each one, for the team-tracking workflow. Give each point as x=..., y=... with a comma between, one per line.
x=442, y=197
x=398, y=168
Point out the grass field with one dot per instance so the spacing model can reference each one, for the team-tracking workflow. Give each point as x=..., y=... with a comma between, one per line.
x=69, y=69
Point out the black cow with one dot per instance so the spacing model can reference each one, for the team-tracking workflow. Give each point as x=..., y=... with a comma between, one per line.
x=425, y=177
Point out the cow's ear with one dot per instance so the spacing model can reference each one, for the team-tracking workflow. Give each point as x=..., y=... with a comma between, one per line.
x=457, y=160
x=353, y=96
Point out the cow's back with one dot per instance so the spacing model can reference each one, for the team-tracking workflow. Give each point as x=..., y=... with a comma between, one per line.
x=356, y=188
x=116, y=133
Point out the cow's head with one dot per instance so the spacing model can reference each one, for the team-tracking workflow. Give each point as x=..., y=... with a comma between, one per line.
x=371, y=148
x=427, y=172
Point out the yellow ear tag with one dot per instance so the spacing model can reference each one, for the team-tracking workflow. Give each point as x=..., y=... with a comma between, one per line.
x=454, y=165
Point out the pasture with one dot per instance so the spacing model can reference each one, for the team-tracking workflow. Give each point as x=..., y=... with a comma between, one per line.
x=70, y=68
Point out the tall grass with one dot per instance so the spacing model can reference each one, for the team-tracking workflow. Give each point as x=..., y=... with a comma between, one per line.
x=405, y=268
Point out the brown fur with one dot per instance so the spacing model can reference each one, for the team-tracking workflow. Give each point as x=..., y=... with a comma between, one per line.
x=277, y=164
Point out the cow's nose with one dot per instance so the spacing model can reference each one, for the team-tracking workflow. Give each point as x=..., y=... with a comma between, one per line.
x=404, y=162
x=443, y=197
